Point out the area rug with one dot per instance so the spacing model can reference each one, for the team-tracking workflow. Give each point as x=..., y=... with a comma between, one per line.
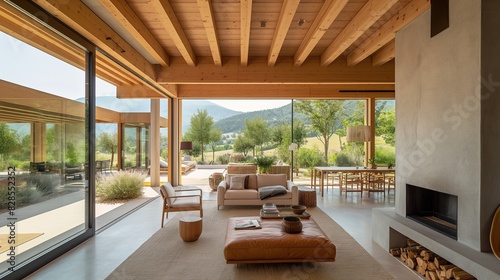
x=19, y=238
x=166, y=256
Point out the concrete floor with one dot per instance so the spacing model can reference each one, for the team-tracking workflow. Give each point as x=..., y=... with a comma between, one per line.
x=100, y=255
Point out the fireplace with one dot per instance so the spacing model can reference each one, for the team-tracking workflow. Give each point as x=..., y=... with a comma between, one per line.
x=434, y=209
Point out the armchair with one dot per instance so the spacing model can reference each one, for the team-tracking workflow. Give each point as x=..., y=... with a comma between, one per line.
x=173, y=201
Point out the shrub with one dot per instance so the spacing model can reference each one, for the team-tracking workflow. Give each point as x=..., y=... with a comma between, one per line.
x=24, y=196
x=224, y=159
x=44, y=183
x=385, y=155
x=120, y=185
x=309, y=157
x=343, y=159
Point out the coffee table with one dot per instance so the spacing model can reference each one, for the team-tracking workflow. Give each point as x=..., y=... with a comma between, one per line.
x=271, y=245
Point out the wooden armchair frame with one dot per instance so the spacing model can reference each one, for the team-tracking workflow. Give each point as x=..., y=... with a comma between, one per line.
x=179, y=207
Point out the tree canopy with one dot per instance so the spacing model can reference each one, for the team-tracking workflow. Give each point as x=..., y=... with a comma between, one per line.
x=256, y=130
x=200, y=130
x=323, y=116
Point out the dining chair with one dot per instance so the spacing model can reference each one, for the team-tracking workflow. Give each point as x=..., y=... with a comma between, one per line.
x=375, y=182
x=352, y=182
x=177, y=201
x=390, y=180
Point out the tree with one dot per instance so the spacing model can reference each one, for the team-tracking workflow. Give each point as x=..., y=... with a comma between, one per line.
x=108, y=143
x=214, y=137
x=8, y=141
x=323, y=116
x=201, y=125
x=243, y=144
x=386, y=126
x=279, y=133
x=256, y=130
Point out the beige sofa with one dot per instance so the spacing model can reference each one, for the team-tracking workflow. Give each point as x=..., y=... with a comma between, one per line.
x=250, y=194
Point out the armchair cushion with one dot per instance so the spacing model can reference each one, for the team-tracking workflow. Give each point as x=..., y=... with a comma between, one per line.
x=186, y=202
x=167, y=187
x=270, y=191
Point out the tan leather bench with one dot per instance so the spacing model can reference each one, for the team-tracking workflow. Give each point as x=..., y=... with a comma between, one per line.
x=271, y=245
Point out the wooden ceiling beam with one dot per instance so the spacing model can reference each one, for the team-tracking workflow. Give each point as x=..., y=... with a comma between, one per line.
x=328, y=13
x=385, y=54
x=282, y=73
x=364, y=19
x=286, y=16
x=78, y=16
x=246, y=20
x=312, y=91
x=20, y=26
x=208, y=21
x=136, y=91
x=168, y=19
x=124, y=14
x=388, y=31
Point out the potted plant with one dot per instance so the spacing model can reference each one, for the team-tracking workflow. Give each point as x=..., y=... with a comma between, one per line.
x=390, y=165
x=372, y=164
x=264, y=163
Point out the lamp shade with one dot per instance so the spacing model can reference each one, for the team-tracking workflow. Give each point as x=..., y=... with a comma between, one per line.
x=358, y=133
x=186, y=145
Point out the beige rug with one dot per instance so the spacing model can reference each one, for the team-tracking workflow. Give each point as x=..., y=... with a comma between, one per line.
x=166, y=256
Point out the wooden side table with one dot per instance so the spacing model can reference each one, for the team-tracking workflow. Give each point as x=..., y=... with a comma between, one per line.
x=190, y=228
x=307, y=197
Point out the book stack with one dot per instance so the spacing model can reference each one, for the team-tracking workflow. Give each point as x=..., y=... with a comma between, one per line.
x=247, y=224
x=270, y=209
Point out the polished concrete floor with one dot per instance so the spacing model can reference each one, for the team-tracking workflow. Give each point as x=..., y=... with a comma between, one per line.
x=99, y=256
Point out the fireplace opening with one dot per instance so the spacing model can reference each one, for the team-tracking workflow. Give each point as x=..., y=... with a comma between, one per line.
x=434, y=209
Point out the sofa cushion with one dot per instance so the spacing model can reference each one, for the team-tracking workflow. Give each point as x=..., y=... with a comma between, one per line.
x=241, y=194
x=238, y=182
x=264, y=180
x=252, y=180
x=270, y=191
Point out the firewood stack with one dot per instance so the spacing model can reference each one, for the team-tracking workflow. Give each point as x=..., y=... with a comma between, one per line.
x=428, y=264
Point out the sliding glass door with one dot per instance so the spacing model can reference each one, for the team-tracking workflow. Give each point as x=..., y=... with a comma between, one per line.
x=45, y=127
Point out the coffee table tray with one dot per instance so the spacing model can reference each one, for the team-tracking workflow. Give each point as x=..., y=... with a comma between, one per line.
x=284, y=213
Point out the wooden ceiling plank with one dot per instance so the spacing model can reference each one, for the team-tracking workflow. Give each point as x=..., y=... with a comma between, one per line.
x=246, y=18
x=328, y=13
x=286, y=16
x=136, y=91
x=364, y=19
x=312, y=91
x=283, y=72
x=387, y=32
x=385, y=54
x=124, y=14
x=167, y=17
x=209, y=23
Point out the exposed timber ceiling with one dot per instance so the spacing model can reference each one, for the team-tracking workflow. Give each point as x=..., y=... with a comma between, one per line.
x=244, y=48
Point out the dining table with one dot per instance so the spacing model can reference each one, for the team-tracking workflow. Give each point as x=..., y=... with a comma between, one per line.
x=321, y=172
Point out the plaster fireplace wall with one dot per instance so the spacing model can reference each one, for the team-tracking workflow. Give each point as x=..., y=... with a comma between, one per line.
x=448, y=126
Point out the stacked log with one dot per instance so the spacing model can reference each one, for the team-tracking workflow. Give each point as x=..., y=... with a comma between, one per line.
x=428, y=264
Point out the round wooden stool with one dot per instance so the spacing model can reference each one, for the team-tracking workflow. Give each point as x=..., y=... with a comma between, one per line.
x=190, y=228
x=307, y=197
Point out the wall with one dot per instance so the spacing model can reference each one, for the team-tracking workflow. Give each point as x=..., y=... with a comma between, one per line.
x=439, y=112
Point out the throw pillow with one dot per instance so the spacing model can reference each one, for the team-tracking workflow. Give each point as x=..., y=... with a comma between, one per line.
x=270, y=191
x=237, y=183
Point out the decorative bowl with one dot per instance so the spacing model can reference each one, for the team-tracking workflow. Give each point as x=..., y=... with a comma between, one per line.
x=298, y=209
x=291, y=225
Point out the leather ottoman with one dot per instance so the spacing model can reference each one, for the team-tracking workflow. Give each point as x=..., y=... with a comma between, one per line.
x=271, y=245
